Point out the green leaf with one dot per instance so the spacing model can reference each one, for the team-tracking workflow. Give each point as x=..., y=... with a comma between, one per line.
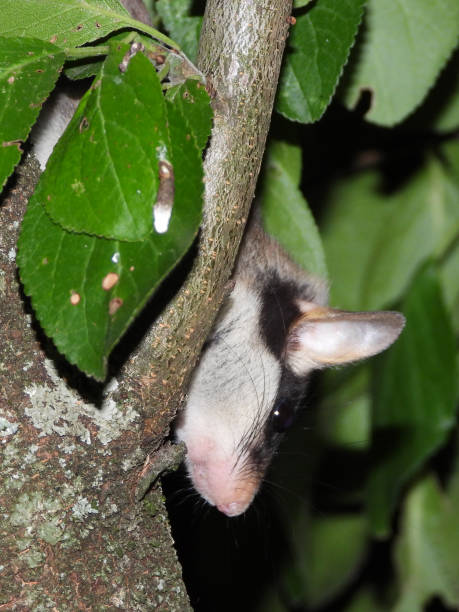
x=28, y=71
x=449, y=276
x=364, y=600
x=86, y=69
x=319, y=47
x=356, y=213
x=447, y=118
x=66, y=24
x=450, y=152
x=406, y=44
x=440, y=110
x=423, y=221
x=388, y=235
x=102, y=177
x=327, y=554
x=355, y=218
x=89, y=67
x=183, y=28
x=300, y=3
x=193, y=100
x=69, y=23
x=285, y=212
x=289, y=156
x=337, y=548
x=427, y=553
x=63, y=271
x=414, y=398
x=344, y=417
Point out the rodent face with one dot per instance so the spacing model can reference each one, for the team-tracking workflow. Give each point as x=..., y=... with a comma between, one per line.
x=229, y=403
x=252, y=376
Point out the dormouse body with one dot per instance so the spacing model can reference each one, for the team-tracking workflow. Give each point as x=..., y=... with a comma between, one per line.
x=54, y=118
x=272, y=332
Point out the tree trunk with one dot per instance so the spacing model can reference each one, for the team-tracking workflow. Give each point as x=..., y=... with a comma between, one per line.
x=76, y=457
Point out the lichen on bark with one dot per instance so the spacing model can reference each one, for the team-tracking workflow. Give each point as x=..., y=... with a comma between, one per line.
x=74, y=535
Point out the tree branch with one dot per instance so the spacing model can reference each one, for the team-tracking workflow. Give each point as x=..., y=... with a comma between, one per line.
x=240, y=53
x=70, y=522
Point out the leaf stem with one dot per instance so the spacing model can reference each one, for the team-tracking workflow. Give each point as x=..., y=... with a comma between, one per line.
x=162, y=74
x=130, y=37
x=80, y=52
x=154, y=33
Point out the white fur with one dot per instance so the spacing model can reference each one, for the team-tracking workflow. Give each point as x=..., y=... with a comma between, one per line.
x=236, y=383
x=236, y=380
x=51, y=124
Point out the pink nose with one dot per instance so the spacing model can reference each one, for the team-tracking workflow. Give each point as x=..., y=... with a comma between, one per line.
x=221, y=485
x=233, y=508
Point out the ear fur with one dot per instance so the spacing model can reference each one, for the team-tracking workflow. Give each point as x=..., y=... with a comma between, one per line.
x=323, y=336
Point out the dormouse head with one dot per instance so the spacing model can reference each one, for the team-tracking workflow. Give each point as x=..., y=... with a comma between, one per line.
x=253, y=375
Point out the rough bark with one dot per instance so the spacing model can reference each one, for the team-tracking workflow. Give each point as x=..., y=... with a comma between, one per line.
x=76, y=458
x=240, y=53
x=72, y=535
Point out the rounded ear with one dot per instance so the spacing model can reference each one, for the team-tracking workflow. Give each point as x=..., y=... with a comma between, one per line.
x=323, y=336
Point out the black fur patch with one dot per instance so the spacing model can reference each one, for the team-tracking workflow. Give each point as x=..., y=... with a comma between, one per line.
x=278, y=311
x=291, y=392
